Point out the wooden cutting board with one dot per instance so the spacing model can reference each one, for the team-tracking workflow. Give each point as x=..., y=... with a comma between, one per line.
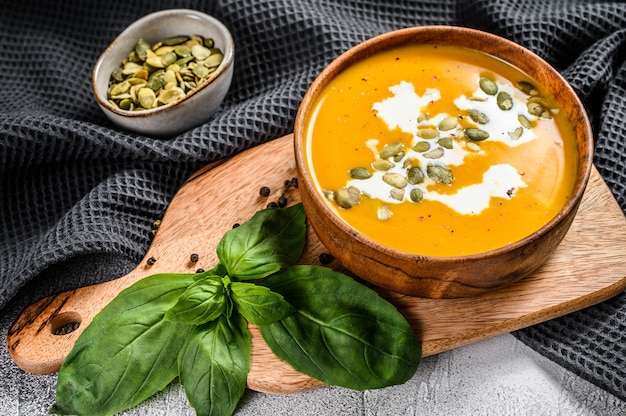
x=587, y=268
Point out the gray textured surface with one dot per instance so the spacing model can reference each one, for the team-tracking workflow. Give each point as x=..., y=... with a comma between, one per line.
x=72, y=185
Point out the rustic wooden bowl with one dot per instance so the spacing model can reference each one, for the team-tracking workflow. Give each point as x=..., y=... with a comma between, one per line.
x=431, y=276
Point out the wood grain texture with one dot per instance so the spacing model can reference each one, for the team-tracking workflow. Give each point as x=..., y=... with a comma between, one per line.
x=587, y=268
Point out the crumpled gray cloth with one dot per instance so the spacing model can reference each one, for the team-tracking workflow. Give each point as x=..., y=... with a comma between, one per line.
x=72, y=184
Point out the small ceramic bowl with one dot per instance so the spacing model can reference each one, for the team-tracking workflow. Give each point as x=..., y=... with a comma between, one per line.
x=429, y=275
x=198, y=105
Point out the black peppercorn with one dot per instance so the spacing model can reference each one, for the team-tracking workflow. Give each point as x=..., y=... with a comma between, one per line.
x=265, y=191
x=282, y=202
x=272, y=205
x=200, y=271
x=235, y=225
x=194, y=258
x=151, y=261
x=294, y=182
x=325, y=258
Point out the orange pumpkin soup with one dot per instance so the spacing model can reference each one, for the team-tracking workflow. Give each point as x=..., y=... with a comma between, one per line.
x=440, y=150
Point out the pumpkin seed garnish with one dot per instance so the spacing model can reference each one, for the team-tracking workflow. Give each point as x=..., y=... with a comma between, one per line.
x=421, y=147
x=488, y=86
x=347, y=198
x=395, y=179
x=525, y=122
x=516, y=134
x=414, y=175
x=397, y=194
x=475, y=134
x=391, y=150
x=440, y=173
x=446, y=142
x=448, y=123
x=382, y=165
x=504, y=100
x=527, y=88
x=384, y=213
x=416, y=195
x=398, y=157
x=428, y=133
x=478, y=117
x=360, y=173
x=436, y=153
x=170, y=68
x=474, y=147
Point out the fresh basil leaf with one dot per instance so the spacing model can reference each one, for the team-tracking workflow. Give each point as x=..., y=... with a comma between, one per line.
x=127, y=353
x=214, y=365
x=272, y=239
x=343, y=333
x=258, y=304
x=202, y=302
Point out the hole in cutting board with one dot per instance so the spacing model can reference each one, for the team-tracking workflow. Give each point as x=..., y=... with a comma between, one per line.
x=65, y=323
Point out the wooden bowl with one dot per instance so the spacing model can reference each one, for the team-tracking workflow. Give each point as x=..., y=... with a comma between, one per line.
x=444, y=276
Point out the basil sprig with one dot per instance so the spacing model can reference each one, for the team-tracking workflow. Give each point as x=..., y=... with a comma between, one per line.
x=195, y=327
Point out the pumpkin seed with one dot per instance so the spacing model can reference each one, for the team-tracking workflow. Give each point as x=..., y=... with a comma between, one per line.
x=436, y=153
x=422, y=117
x=171, y=95
x=200, y=71
x=421, y=147
x=397, y=194
x=200, y=52
x=391, y=150
x=359, y=173
x=416, y=195
x=428, y=133
x=446, y=142
x=527, y=88
x=414, y=175
x=155, y=61
x=448, y=123
x=355, y=194
x=398, y=157
x=384, y=213
x=182, y=50
x=169, y=67
x=478, y=117
x=488, y=86
x=476, y=135
x=175, y=40
x=524, y=121
x=395, y=179
x=141, y=49
x=147, y=98
x=504, y=100
x=535, y=108
x=214, y=60
x=440, y=173
x=343, y=198
x=474, y=147
x=382, y=165
x=516, y=134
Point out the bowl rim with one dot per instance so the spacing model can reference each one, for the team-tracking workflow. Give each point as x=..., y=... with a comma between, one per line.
x=402, y=37
x=227, y=62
